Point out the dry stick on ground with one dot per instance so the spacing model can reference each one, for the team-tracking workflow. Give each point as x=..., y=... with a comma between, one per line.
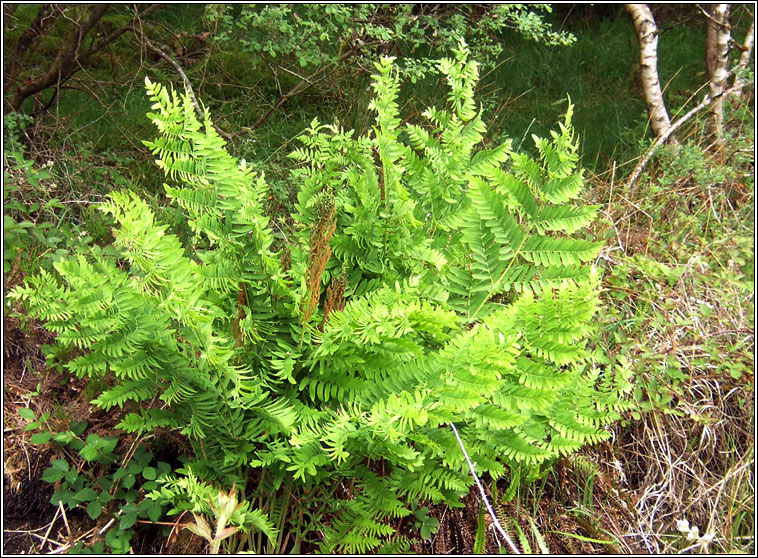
x=662, y=138
x=49, y=528
x=484, y=494
x=65, y=519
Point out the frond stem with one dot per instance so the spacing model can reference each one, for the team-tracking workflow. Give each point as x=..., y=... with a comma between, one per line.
x=513, y=259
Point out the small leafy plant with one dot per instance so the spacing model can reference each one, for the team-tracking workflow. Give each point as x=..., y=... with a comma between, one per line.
x=425, y=280
x=426, y=524
x=87, y=479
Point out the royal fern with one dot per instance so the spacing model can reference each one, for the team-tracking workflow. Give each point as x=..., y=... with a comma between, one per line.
x=426, y=281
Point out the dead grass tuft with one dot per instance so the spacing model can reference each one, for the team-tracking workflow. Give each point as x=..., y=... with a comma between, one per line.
x=697, y=467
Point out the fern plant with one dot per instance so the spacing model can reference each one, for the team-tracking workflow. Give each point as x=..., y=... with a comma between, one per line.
x=426, y=280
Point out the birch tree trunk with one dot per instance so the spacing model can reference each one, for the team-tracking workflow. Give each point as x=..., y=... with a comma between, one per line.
x=647, y=36
x=747, y=47
x=716, y=57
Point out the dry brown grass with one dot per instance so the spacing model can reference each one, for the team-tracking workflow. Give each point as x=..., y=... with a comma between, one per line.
x=698, y=467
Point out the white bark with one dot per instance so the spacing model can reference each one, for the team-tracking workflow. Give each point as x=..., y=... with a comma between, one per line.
x=647, y=36
x=717, y=44
x=747, y=47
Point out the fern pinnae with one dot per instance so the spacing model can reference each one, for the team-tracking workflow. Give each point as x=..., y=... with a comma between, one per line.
x=500, y=278
x=470, y=304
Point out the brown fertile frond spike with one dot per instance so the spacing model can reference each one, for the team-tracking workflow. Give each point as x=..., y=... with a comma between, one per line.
x=320, y=251
x=335, y=297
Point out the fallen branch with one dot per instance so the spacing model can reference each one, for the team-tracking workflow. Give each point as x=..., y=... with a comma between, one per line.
x=707, y=100
x=179, y=70
x=484, y=494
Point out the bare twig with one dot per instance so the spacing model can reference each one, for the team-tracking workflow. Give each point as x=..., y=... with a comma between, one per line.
x=179, y=70
x=104, y=529
x=309, y=81
x=173, y=63
x=712, y=19
x=65, y=519
x=81, y=86
x=495, y=520
x=608, y=210
x=120, y=31
x=294, y=74
x=49, y=528
x=662, y=138
x=273, y=73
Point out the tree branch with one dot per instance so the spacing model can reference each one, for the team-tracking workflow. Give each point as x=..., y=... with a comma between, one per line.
x=69, y=59
x=46, y=16
x=179, y=70
x=746, y=48
x=662, y=138
x=118, y=32
x=173, y=63
x=713, y=20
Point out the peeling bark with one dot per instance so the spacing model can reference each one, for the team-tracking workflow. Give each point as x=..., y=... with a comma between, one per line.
x=647, y=36
x=717, y=53
x=747, y=48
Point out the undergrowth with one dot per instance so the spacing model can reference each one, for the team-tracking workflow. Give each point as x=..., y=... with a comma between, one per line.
x=681, y=305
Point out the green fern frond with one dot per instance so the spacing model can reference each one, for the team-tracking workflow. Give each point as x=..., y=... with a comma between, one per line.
x=133, y=390
x=444, y=283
